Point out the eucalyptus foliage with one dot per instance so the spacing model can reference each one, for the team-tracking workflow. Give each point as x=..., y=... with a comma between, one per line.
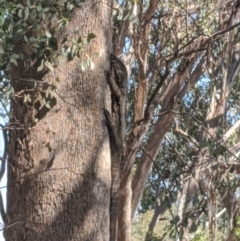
x=34, y=26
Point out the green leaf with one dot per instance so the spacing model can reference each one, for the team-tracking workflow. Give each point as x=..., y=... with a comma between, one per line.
x=85, y=41
x=71, y=6
x=40, y=68
x=5, y=102
x=131, y=17
x=48, y=105
x=49, y=65
x=39, y=8
x=91, y=64
x=73, y=50
x=91, y=36
x=2, y=20
x=20, y=13
x=25, y=38
x=53, y=43
x=19, y=5
x=126, y=17
x=9, y=92
x=49, y=147
x=57, y=79
x=35, y=45
x=83, y=65
x=13, y=61
x=48, y=34
x=26, y=13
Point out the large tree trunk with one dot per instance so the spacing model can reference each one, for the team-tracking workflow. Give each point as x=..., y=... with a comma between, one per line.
x=59, y=169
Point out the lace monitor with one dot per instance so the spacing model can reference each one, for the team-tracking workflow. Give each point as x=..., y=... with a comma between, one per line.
x=116, y=123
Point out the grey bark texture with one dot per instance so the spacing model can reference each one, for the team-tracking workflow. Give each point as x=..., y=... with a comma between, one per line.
x=59, y=169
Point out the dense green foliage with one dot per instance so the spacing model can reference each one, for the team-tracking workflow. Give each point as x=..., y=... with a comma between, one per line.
x=31, y=25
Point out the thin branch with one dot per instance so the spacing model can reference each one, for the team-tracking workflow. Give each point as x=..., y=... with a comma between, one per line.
x=185, y=134
x=231, y=130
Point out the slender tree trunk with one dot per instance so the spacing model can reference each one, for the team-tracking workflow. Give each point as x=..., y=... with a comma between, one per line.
x=158, y=211
x=162, y=126
x=59, y=168
x=212, y=213
x=231, y=204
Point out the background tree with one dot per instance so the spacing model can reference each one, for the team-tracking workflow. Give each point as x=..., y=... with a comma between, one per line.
x=172, y=53
x=192, y=111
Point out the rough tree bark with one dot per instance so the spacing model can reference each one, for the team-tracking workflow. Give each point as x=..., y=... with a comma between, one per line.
x=59, y=168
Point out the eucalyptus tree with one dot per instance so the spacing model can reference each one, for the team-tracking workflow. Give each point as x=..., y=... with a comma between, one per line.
x=170, y=46
x=55, y=55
